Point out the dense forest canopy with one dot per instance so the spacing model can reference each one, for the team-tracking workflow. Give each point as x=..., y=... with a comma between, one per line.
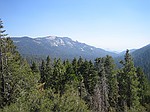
x=65, y=86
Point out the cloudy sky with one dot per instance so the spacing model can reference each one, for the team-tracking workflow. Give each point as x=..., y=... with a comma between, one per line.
x=110, y=24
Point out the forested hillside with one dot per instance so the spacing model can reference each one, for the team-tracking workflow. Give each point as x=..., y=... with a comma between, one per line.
x=142, y=59
x=78, y=85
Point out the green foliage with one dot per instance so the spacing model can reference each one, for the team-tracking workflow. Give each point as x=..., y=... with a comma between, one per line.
x=141, y=58
x=77, y=86
x=34, y=68
x=48, y=73
x=143, y=85
x=111, y=75
x=16, y=75
x=42, y=72
x=70, y=102
x=47, y=101
x=102, y=86
x=128, y=83
x=89, y=74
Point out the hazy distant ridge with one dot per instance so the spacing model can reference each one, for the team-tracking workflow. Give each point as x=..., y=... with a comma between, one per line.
x=59, y=47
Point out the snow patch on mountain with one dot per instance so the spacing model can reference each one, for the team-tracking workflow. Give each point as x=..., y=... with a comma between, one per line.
x=54, y=44
x=16, y=41
x=82, y=49
x=61, y=42
x=51, y=37
x=70, y=44
x=38, y=42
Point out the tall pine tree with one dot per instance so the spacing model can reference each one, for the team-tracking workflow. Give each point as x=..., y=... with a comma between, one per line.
x=112, y=82
x=15, y=74
x=128, y=83
x=102, y=85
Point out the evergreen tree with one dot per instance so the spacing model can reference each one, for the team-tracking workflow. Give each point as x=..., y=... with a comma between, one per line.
x=128, y=83
x=35, y=71
x=7, y=53
x=81, y=85
x=92, y=77
x=143, y=85
x=102, y=85
x=112, y=81
x=48, y=73
x=2, y=64
x=89, y=76
x=75, y=65
x=58, y=79
x=80, y=61
x=42, y=72
x=34, y=68
x=15, y=73
x=69, y=73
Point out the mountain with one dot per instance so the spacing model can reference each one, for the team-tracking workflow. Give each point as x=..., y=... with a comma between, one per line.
x=123, y=52
x=66, y=48
x=142, y=58
x=58, y=47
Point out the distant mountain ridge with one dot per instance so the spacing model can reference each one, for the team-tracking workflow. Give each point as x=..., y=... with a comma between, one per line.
x=59, y=47
x=66, y=48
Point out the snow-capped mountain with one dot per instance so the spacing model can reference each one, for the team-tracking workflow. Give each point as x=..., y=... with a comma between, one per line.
x=59, y=47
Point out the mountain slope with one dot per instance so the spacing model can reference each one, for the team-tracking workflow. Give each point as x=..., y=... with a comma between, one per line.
x=142, y=59
x=59, y=47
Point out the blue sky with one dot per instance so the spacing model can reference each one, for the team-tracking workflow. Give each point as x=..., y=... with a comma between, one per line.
x=110, y=24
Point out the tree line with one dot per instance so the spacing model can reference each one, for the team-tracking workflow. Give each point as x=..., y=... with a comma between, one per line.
x=78, y=85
